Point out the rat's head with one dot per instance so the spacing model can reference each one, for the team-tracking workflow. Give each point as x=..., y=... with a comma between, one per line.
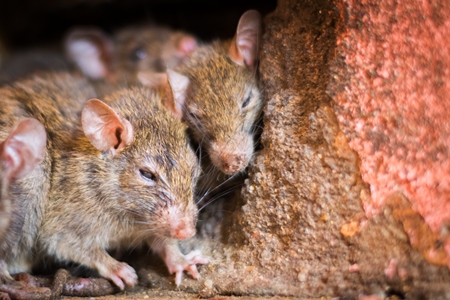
x=152, y=49
x=222, y=100
x=155, y=169
x=133, y=54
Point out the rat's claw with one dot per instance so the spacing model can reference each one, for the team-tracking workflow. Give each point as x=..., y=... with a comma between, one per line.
x=178, y=277
x=123, y=273
x=177, y=263
x=117, y=281
x=192, y=270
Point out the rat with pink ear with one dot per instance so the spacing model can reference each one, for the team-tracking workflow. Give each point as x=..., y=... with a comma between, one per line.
x=29, y=106
x=118, y=59
x=222, y=99
x=116, y=173
x=216, y=93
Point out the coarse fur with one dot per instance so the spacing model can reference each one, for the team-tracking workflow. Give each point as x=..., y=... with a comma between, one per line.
x=151, y=48
x=125, y=173
x=222, y=99
x=21, y=151
x=38, y=97
x=214, y=106
x=131, y=55
x=118, y=202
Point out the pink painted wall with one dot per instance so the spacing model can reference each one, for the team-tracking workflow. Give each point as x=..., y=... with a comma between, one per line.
x=392, y=94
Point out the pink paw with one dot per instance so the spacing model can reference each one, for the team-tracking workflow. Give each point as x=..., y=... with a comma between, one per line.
x=186, y=263
x=123, y=273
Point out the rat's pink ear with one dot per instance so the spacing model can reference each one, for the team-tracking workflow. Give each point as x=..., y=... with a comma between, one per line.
x=105, y=129
x=186, y=45
x=244, y=48
x=24, y=148
x=91, y=50
x=178, y=85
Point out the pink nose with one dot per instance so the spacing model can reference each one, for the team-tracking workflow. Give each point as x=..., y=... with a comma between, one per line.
x=230, y=168
x=232, y=163
x=183, y=232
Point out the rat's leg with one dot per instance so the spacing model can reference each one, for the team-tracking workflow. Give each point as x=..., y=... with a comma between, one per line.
x=118, y=272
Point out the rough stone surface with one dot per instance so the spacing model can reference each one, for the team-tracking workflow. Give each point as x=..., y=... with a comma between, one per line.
x=391, y=87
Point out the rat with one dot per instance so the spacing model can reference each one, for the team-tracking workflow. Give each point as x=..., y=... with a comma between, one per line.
x=23, y=99
x=145, y=49
x=124, y=174
x=222, y=101
x=111, y=62
x=20, y=152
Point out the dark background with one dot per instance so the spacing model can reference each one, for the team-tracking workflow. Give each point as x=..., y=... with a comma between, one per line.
x=30, y=22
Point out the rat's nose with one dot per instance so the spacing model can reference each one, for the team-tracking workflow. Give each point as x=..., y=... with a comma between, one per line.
x=232, y=163
x=182, y=232
x=232, y=156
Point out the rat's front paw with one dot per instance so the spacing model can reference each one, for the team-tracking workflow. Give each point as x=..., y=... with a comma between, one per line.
x=122, y=273
x=179, y=263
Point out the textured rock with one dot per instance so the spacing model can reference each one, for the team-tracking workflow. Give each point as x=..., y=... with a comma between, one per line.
x=302, y=229
x=391, y=96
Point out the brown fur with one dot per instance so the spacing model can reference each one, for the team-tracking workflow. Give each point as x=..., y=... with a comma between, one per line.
x=132, y=55
x=161, y=45
x=35, y=97
x=21, y=151
x=213, y=107
x=94, y=200
x=222, y=100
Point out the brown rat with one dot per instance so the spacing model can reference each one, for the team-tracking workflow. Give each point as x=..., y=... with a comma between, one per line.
x=110, y=61
x=222, y=100
x=34, y=98
x=21, y=151
x=132, y=179
x=23, y=99
x=146, y=49
x=124, y=175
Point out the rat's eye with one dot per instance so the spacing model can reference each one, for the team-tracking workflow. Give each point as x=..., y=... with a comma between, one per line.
x=148, y=175
x=247, y=100
x=194, y=116
x=138, y=54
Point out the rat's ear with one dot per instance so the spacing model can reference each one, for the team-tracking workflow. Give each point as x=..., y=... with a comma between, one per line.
x=244, y=48
x=176, y=96
x=24, y=148
x=105, y=129
x=186, y=45
x=91, y=50
x=172, y=86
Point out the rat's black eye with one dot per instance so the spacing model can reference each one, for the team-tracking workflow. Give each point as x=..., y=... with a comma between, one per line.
x=138, y=54
x=194, y=116
x=148, y=175
x=247, y=101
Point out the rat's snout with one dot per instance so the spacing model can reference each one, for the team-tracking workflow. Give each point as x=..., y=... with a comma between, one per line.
x=231, y=157
x=182, y=232
x=181, y=223
x=233, y=162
